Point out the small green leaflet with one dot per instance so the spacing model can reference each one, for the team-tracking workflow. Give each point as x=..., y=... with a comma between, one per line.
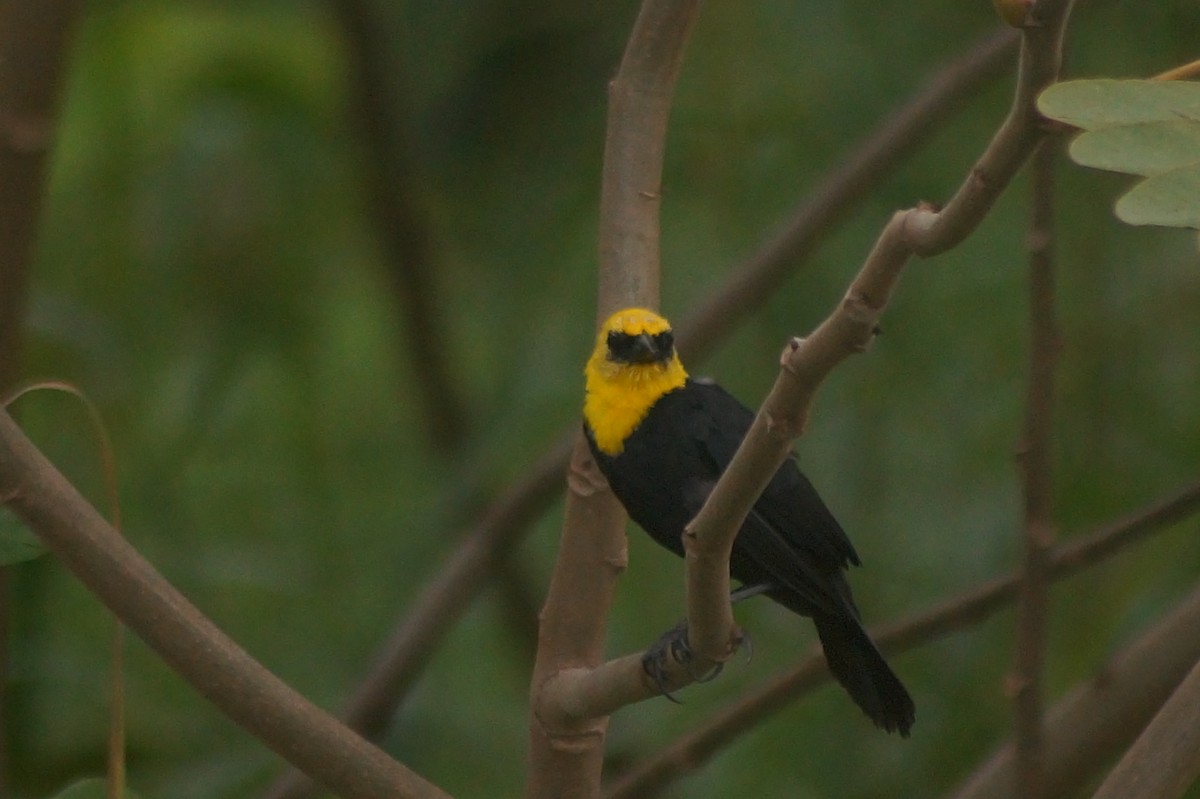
x=16, y=542
x=1139, y=127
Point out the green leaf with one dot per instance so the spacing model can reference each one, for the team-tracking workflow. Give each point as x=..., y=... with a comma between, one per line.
x=16, y=542
x=1141, y=127
x=91, y=788
x=1171, y=198
x=1091, y=104
x=1144, y=148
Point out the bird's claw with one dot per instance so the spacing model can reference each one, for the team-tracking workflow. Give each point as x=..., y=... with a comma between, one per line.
x=674, y=645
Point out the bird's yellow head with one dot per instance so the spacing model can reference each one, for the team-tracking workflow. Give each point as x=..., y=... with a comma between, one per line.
x=634, y=364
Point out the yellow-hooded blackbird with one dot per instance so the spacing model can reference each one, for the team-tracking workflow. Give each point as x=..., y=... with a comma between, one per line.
x=662, y=440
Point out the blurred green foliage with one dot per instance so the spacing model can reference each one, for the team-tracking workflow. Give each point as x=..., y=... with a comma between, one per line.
x=211, y=274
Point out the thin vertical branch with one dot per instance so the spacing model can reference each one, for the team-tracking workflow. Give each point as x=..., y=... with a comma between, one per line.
x=33, y=51
x=33, y=41
x=1036, y=459
x=377, y=107
x=566, y=749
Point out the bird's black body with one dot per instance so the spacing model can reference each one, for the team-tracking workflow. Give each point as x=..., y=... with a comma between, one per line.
x=790, y=541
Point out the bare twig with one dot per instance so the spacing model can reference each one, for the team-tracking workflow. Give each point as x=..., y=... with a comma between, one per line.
x=971, y=607
x=566, y=740
x=1035, y=455
x=105, y=562
x=426, y=622
x=1087, y=728
x=391, y=183
x=1165, y=760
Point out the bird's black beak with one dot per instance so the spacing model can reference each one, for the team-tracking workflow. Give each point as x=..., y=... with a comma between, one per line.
x=644, y=349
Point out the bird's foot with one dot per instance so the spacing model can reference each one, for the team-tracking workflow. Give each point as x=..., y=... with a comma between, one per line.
x=673, y=645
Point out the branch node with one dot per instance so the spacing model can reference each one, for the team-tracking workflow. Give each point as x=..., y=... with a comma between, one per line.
x=583, y=476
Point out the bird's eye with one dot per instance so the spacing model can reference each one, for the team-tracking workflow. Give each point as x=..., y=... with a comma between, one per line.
x=619, y=344
x=665, y=342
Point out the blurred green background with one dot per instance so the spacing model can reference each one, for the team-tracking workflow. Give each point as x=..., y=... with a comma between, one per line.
x=211, y=273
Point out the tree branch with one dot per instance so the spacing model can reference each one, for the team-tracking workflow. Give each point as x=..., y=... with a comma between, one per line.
x=33, y=53
x=752, y=282
x=806, y=363
x=1165, y=760
x=566, y=747
x=1035, y=455
x=971, y=607
x=187, y=641
x=399, y=221
x=1095, y=721
x=425, y=623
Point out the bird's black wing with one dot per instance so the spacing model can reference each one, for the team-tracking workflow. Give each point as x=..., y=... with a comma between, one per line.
x=790, y=538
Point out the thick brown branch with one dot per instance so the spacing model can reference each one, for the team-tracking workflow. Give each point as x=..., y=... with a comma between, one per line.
x=566, y=740
x=566, y=748
x=1165, y=760
x=1035, y=455
x=971, y=607
x=191, y=644
x=639, y=99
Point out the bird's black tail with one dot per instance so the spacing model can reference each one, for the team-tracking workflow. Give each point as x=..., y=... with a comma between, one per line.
x=862, y=671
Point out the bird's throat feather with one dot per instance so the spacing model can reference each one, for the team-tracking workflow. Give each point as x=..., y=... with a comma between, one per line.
x=620, y=395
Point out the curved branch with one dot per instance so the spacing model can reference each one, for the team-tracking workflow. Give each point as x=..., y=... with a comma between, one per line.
x=806, y=363
x=971, y=607
x=185, y=639
x=751, y=283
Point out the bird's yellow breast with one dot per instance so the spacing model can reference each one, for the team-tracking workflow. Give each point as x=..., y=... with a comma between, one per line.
x=619, y=395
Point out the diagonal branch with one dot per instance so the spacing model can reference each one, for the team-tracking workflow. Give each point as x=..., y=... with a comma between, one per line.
x=972, y=607
x=806, y=363
x=751, y=283
x=187, y=641
x=1165, y=760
